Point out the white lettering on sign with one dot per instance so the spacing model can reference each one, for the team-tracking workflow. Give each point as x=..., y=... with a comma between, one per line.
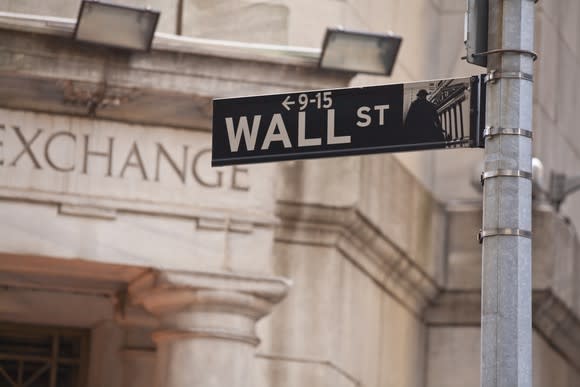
x=332, y=139
x=277, y=122
x=381, y=109
x=362, y=113
x=364, y=116
x=302, y=140
x=322, y=100
x=243, y=130
x=287, y=103
x=277, y=132
x=327, y=97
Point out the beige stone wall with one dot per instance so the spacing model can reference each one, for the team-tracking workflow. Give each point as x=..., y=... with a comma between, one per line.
x=248, y=21
x=454, y=360
x=337, y=327
x=383, y=191
x=362, y=269
x=104, y=191
x=556, y=95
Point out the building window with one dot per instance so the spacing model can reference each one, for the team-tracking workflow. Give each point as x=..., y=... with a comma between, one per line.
x=42, y=356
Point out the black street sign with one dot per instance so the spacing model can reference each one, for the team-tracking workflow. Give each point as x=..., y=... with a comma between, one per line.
x=352, y=121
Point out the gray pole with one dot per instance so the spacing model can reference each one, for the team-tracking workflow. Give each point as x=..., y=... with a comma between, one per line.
x=506, y=309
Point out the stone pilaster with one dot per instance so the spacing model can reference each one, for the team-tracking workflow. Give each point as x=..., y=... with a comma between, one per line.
x=207, y=332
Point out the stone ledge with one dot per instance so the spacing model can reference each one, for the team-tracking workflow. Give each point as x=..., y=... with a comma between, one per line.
x=555, y=251
x=316, y=366
x=168, y=86
x=360, y=241
x=559, y=325
x=551, y=318
x=556, y=274
x=47, y=306
x=87, y=211
x=242, y=221
x=65, y=275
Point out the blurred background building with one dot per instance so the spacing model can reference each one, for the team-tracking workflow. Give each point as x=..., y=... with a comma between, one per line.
x=126, y=260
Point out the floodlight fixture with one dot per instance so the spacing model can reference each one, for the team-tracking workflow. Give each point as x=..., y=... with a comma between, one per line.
x=360, y=52
x=116, y=25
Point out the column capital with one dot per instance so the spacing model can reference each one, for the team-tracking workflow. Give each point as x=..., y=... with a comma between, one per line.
x=216, y=305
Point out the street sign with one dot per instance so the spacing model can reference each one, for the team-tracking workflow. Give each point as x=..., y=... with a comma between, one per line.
x=352, y=121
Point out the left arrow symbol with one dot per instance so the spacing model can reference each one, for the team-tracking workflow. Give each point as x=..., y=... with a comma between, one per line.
x=286, y=103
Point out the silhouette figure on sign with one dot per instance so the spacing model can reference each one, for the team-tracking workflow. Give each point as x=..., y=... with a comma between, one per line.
x=422, y=123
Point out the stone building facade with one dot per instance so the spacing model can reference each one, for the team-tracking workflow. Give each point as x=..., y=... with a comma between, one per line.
x=126, y=260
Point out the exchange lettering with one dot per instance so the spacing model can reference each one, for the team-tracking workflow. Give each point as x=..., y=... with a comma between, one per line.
x=68, y=152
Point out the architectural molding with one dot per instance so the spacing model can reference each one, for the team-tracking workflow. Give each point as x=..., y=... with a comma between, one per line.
x=241, y=221
x=207, y=304
x=76, y=276
x=324, y=364
x=551, y=318
x=207, y=321
x=349, y=231
x=87, y=211
x=555, y=307
x=127, y=315
x=558, y=324
x=72, y=78
x=37, y=306
x=455, y=307
x=269, y=288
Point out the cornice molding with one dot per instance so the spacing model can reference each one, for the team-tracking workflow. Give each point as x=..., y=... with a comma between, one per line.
x=558, y=324
x=360, y=241
x=71, y=78
x=269, y=288
x=239, y=220
x=551, y=318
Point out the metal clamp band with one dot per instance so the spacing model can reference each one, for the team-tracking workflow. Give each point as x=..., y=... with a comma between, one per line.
x=495, y=75
x=503, y=232
x=533, y=54
x=490, y=131
x=505, y=172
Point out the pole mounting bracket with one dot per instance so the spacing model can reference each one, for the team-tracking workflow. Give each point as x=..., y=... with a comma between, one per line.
x=482, y=234
x=493, y=76
x=490, y=131
x=533, y=54
x=505, y=172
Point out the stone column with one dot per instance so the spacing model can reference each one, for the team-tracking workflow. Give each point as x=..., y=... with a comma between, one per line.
x=207, y=324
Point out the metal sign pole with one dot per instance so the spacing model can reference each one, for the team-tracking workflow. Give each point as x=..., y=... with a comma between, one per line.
x=506, y=323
